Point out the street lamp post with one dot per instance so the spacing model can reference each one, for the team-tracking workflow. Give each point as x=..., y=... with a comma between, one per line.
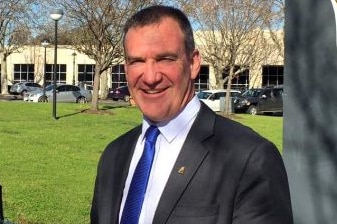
x=74, y=56
x=56, y=15
x=45, y=44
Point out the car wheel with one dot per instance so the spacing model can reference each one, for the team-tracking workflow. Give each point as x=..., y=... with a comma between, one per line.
x=252, y=110
x=81, y=100
x=126, y=98
x=43, y=99
x=23, y=92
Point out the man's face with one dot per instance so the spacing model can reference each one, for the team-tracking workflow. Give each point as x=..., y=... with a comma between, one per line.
x=158, y=70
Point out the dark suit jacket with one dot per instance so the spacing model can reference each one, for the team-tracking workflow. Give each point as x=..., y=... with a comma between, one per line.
x=232, y=175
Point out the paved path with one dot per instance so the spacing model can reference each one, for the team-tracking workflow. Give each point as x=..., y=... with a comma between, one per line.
x=10, y=97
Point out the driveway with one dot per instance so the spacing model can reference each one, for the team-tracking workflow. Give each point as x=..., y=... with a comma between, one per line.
x=8, y=97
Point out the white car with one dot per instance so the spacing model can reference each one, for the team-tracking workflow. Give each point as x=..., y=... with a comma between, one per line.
x=64, y=93
x=212, y=97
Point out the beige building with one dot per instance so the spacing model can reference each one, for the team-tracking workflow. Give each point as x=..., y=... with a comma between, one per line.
x=75, y=68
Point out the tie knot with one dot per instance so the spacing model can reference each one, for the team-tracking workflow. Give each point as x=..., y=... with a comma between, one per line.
x=152, y=134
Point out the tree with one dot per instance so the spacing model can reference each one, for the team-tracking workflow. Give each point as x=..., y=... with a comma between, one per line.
x=230, y=34
x=275, y=24
x=15, y=22
x=97, y=31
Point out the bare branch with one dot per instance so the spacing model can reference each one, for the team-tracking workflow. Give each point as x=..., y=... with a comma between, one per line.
x=232, y=33
x=16, y=21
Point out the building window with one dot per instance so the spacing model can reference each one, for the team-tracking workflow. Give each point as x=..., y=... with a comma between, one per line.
x=61, y=73
x=118, y=76
x=202, y=80
x=23, y=73
x=272, y=75
x=240, y=80
x=86, y=74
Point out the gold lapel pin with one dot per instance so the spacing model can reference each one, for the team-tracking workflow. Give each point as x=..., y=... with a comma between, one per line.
x=181, y=170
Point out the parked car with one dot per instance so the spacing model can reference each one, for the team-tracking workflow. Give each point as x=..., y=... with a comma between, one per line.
x=120, y=93
x=24, y=87
x=64, y=93
x=83, y=85
x=260, y=100
x=212, y=97
x=89, y=87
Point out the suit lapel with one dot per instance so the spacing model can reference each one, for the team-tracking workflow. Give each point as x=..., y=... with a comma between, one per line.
x=115, y=177
x=189, y=160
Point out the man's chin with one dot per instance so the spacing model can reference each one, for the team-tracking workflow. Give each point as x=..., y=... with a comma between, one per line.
x=153, y=114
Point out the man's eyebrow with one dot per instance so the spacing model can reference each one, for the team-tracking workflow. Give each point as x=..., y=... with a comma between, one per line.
x=159, y=56
x=167, y=54
x=133, y=58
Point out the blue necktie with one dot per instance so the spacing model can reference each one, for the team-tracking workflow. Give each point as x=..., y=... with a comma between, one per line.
x=135, y=198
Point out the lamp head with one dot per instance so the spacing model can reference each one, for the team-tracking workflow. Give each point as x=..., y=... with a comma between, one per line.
x=56, y=14
x=45, y=43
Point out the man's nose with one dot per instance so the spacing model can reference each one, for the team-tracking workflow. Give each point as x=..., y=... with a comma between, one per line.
x=151, y=74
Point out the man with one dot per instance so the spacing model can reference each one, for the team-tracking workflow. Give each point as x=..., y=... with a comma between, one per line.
x=206, y=169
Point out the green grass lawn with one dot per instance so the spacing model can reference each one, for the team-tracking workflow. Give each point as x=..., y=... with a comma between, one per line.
x=270, y=127
x=47, y=166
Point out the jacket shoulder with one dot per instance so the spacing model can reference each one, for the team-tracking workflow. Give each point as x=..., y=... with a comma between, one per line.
x=121, y=146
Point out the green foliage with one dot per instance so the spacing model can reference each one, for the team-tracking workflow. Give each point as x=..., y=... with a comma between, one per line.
x=48, y=167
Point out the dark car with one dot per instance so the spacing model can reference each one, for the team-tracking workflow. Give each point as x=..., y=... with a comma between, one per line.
x=260, y=100
x=120, y=93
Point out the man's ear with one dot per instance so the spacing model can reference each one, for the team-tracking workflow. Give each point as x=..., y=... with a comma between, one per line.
x=195, y=64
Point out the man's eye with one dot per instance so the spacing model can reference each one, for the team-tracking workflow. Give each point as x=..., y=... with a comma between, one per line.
x=166, y=59
x=133, y=62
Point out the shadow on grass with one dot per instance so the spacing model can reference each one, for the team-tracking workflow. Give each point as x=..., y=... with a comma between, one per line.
x=104, y=110
x=72, y=114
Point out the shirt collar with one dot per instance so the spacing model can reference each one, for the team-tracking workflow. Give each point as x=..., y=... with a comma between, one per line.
x=169, y=130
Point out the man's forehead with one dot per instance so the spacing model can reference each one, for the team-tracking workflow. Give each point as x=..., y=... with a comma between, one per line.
x=155, y=24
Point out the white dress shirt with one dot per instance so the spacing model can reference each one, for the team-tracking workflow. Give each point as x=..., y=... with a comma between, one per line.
x=168, y=145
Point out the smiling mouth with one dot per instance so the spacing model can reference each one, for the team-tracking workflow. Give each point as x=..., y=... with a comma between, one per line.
x=154, y=91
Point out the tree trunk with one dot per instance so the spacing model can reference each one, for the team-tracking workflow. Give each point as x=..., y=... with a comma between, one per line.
x=94, y=103
x=219, y=79
x=104, y=86
x=228, y=99
x=4, y=84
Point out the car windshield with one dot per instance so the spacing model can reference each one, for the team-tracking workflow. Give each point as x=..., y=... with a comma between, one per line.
x=49, y=87
x=235, y=94
x=252, y=93
x=203, y=95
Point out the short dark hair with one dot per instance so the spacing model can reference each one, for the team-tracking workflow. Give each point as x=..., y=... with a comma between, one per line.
x=154, y=14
